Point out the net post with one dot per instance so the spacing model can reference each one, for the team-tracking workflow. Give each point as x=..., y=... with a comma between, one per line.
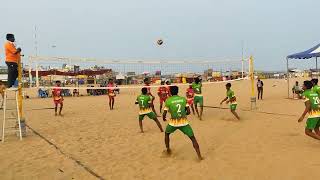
x=19, y=98
x=253, y=99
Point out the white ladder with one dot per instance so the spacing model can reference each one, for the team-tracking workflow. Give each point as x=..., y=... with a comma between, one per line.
x=12, y=122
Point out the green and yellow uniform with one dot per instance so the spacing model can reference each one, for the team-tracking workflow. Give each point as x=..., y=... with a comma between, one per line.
x=314, y=114
x=232, y=100
x=144, y=105
x=176, y=106
x=198, y=97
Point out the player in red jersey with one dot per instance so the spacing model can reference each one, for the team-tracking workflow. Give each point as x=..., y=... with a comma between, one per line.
x=111, y=93
x=147, y=84
x=190, y=97
x=57, y=97
x=163, y=94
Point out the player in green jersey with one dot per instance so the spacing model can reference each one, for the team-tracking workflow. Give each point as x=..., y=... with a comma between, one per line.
x=231, y=98
x=198, y=97
x=144, y=101
x=312, y=108
x=179, y=109
x=315, y=87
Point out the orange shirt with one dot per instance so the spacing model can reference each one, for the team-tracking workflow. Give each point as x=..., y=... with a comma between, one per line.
x=10, y=51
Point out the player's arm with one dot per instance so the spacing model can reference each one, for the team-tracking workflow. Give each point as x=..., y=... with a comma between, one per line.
x=137, y=102
x=225, y=99
x=306, y=110
x=164, y=115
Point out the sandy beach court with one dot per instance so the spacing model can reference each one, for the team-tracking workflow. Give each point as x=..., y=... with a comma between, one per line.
x=92, y=142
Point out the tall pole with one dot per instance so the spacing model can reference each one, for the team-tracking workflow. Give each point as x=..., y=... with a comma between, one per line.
x=30, y=74
x=36, y=54
x=317, y=66
x=288, y=77
x=20, y=88
x=242, y=65
x=253, y=99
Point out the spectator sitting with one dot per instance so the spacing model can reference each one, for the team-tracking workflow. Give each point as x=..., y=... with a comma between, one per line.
x=297, y=90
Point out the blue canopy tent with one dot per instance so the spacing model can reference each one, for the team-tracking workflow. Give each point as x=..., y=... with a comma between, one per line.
x=311, y=53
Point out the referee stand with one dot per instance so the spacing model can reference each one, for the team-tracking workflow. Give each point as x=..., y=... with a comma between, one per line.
x=15, y=121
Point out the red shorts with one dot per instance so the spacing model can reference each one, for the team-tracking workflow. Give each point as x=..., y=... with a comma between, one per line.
x=112, y=95
x=190, y=101
x=56, y=102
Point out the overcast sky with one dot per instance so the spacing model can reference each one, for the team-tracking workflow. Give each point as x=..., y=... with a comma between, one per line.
x=191, y=29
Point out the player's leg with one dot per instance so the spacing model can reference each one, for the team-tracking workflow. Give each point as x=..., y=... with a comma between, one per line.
x=196, y=101
x=192, y=108
x=187, y=130
x=112, y=102
x=169, y=129
x=233, y=108
x=109, y=102
x=201, y=107
x=55, y=108
x=311, y=125
x=140, y=123
x=261, y=94
x=153, y=116
x=61, y=107
x=161, y=103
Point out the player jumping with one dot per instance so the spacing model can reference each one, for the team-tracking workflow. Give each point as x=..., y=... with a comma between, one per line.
x=179, y=109
x=232, y=100
x=198, y=97
x=163, y=94
x=312, y=107
x=144, y=101
x=57, y=97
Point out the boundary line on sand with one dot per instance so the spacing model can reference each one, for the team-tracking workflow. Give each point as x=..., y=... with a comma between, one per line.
x=262, y=112
x=66, y=155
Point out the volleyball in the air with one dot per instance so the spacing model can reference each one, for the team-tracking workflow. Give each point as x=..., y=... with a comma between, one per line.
x=160, y=42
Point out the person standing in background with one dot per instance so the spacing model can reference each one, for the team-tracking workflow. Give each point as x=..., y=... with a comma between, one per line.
x=260, y=89
x=12, y=58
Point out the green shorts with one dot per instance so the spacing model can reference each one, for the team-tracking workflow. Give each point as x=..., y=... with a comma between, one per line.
x=151, y=115
x=198, y=100
x=313, y=123
x=187, y=130
x=233, y=107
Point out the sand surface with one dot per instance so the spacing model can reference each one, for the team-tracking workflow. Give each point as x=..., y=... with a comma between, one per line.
x=91, y=138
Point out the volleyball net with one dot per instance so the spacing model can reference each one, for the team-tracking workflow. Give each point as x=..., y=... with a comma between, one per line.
x=93, y=74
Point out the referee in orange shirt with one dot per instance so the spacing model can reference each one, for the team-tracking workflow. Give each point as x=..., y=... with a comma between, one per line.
x=12, y=58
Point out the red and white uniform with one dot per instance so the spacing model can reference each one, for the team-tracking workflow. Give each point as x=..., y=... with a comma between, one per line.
x=111, y=90
x=163, y=93
x=190, y=96
x=57, y=95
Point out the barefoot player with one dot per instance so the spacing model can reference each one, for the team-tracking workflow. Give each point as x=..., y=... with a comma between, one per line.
x=312, y=108
x=163, y=94
x=190, y=97
x=57, y=97
x=111, y=93
x=198, y=97
x=179, y=109
x=144, y=101
x=232, y=100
